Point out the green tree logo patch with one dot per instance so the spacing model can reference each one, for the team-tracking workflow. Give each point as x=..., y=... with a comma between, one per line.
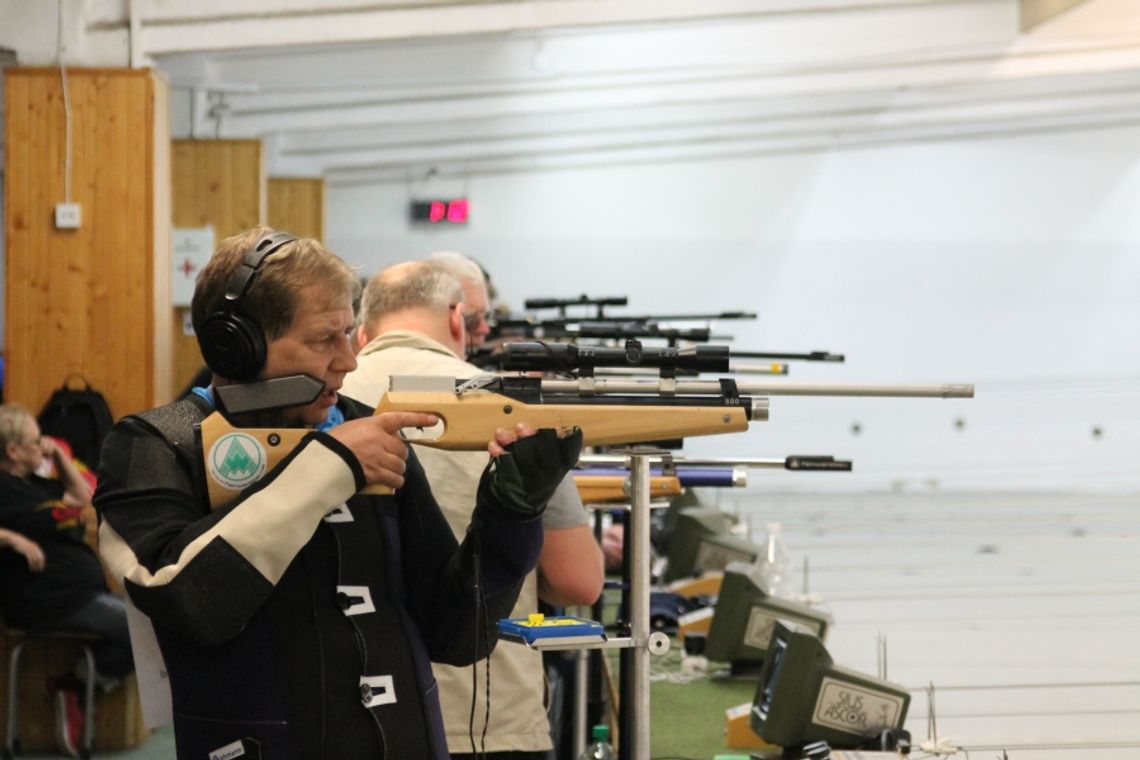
x=236, y=460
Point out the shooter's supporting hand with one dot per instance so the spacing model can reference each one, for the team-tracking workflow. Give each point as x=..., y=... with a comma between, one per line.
x=377, y=444
x=521, y=479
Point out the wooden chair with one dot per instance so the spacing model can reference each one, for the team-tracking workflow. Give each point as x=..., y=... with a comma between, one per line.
x=14, y=641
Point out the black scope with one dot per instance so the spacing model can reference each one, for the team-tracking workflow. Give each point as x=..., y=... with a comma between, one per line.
x=582, y=300
x=618, y=330
x=548, y=357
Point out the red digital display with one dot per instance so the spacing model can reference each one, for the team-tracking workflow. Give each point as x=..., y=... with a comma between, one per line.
x=457, y=211
x=442, y=211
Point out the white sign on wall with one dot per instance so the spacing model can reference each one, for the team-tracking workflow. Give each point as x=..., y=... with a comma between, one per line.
x=191, y=248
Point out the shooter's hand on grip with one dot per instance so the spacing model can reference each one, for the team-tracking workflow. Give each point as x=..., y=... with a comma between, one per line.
x=377, y=445
x=522, y=476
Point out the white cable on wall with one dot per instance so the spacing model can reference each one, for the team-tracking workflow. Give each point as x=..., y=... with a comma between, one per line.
x=66, y=110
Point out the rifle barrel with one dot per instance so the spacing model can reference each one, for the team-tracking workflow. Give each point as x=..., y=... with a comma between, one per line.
x=813, y=356
x=618, y=460
x=713, y=387
x=679, y=317
x=794, y=462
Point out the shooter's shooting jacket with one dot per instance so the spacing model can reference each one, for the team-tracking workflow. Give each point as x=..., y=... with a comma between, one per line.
x=297, y=623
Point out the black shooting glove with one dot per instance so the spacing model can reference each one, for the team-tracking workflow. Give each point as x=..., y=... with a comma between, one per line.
x=521, y=481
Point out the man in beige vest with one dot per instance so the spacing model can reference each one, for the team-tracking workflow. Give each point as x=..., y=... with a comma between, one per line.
x=413, y=324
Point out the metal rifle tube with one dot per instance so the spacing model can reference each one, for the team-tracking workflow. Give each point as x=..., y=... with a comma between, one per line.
x=798, y=463
x=690, y=477
x=813, y=356
x=712, y=387
x=618, y=460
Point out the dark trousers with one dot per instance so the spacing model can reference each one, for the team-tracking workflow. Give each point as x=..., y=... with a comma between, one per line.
x=106, y=617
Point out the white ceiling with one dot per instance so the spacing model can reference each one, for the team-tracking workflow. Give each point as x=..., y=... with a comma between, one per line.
x=362, y=91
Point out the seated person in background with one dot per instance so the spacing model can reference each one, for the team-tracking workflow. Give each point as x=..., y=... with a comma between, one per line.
x=413, y=323
x=50, y=579
x=297, y=619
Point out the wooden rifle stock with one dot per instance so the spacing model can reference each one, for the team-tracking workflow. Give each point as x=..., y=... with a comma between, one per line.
x=255, y=451
x=470, y=419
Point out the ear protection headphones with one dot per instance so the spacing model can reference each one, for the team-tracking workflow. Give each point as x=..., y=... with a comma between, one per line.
x=232, y=342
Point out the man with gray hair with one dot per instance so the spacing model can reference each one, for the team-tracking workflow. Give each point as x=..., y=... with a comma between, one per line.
x=412, y=325
x=476, y=301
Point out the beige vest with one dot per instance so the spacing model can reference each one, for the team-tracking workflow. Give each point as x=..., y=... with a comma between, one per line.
x=518, y=692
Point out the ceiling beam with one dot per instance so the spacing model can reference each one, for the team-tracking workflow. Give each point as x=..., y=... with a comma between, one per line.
x=179, y=26
x=1035, y=12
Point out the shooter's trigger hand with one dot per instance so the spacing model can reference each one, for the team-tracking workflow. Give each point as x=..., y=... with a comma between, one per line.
x=376, y=443
x=521, y=480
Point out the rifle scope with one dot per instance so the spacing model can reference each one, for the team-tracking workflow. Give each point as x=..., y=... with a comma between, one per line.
x=548, y=357
x=618, y=330
x=582, y=300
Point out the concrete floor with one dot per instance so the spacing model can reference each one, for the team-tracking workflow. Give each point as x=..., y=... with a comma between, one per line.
x=1022, y=609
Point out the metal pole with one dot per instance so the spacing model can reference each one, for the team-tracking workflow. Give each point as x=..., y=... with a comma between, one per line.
x=581, y=684
x=635, y=716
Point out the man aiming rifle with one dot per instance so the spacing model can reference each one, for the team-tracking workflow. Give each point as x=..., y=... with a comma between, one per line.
x=296, y=619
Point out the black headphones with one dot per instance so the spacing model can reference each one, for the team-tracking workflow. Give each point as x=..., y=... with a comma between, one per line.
x=232, y=342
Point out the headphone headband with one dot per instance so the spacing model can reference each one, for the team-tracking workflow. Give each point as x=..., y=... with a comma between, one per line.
x=242, y=278
x=233, y=343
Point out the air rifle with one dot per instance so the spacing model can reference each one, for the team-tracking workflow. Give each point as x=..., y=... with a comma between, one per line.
x=610, y=411
x=667, y=462
x=604, y=478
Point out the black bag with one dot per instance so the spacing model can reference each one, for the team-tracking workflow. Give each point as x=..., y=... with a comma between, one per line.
x=79, y=416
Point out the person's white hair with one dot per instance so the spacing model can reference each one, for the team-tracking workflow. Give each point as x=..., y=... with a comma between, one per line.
x=461, y=268
x=13, y=421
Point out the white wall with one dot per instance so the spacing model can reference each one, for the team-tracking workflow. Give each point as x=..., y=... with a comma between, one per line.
x=1012, y=263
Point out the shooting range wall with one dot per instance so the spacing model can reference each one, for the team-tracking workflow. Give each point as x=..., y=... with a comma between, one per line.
x=220, y=184
x=1010, y=261
x=84, y=300
x=297, y=204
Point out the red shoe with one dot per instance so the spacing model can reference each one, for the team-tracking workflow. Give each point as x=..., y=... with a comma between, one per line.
x=69, y=721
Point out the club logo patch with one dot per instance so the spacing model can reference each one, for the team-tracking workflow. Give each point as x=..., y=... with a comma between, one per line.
x=236, y=460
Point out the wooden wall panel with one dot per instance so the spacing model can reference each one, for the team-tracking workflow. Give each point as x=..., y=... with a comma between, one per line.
x=216, y=183
x=87, y=300
x=297, y=205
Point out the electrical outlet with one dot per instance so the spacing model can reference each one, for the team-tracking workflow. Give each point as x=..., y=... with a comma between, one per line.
x=67, y=216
